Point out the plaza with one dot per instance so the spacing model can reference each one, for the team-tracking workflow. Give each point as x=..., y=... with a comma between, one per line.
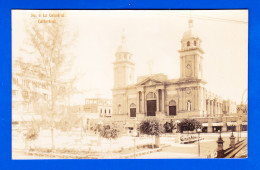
x=170, y=149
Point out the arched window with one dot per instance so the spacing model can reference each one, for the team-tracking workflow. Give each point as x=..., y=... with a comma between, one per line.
x=172, y=103
x=105, y=110
x=189, y=105
x=132, y=105
x=100, y=110
x=188, y=43
x=119, y=108
x=109, y=111
x=195, y=43
x=151, y=96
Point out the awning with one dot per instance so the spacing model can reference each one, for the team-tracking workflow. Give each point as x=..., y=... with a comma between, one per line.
x=217, y=124
x=232, y=123
x=213, y=124
x=244, y=123
x=204, y=124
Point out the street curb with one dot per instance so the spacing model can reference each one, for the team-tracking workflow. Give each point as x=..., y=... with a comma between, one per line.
x=73, y=156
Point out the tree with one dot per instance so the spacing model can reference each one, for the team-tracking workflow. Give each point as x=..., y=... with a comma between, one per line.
x=49, y=44
x=151, y=126
x=109, y=131
x=189, y=125
x=32, y=133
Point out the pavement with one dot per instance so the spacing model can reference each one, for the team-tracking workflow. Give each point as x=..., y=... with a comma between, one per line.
x=208, y=146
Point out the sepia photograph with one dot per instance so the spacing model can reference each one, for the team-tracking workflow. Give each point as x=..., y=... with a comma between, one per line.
x=129, y=84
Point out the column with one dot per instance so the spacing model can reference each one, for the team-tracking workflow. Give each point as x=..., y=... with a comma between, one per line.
x=215, y=108
x=211, y=107
x=137, y=102
x=163, y=106
x=157, y=101
x=208, y=107
x=143, y=102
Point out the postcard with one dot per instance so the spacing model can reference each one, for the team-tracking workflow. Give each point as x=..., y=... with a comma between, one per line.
x=129, y=84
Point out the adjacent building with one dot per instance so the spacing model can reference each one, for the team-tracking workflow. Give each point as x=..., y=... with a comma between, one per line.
x=31, y=92
x=99, y=106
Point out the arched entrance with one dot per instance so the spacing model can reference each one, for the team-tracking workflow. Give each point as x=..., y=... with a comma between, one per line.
x=151, y=104
x=132, y=110
x=172, y=108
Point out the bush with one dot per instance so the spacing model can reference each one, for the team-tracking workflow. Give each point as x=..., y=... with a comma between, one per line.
x=33, y=132
x=189, y=125
x=151, y=126
x=109, y=131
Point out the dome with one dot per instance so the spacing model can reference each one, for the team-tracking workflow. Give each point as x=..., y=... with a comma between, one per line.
x=190, y=33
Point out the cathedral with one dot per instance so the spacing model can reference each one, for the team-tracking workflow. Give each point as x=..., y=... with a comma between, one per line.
x=156, y=95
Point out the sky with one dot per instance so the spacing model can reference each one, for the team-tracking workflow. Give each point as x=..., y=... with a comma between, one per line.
x=152, y=36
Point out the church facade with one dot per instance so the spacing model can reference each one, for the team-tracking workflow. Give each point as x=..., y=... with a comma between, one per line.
x=156, y=95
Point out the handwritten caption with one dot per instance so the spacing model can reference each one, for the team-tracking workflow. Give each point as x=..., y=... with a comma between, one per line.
x=47, y=17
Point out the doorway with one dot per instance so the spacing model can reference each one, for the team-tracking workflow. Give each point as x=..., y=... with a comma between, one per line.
x=151, y=107
x=172, y=110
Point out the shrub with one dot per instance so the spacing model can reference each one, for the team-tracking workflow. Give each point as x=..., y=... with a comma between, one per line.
x=151, y=126
x=109, y=131
x=189, y=125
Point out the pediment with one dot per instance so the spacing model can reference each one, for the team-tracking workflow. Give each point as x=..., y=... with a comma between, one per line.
x=149, y=82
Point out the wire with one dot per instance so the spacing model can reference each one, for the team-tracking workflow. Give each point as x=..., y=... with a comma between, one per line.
x=205, y=17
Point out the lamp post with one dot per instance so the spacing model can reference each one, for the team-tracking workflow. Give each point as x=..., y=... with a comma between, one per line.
x=232, y=140
x=199, y=131
x=134, y=135
x=220, y=151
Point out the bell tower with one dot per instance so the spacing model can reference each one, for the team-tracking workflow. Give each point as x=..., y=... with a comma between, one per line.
x=191, y=55
x=123, y=66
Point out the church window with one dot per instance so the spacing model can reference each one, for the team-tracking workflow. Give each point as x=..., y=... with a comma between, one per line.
x=195, y=43
x=105, y=110
x=188, y=43
x=189, y=105
x=151, y=96
x=119, y=108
